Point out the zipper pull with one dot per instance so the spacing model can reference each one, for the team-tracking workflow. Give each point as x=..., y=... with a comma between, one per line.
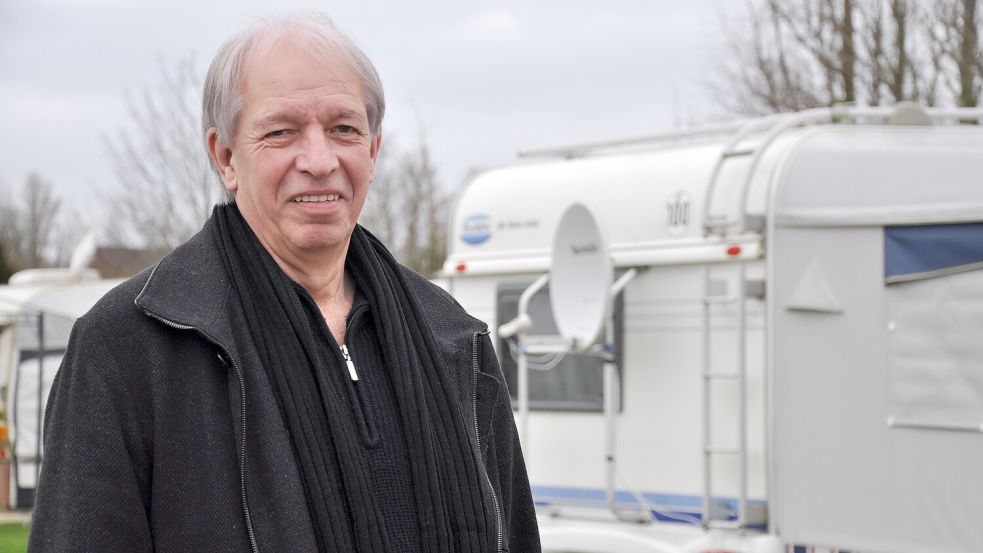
x=348, y=361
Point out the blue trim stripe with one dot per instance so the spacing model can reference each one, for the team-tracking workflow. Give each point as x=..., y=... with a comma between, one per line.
x=910, y=251
x=676, y=508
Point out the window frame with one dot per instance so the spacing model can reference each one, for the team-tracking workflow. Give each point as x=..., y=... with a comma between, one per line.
x=507, y=295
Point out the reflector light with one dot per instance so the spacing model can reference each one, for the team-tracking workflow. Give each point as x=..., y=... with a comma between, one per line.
x=734, y=251
x=461, y=267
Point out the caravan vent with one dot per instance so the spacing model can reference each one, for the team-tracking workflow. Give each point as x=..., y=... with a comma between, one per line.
x=909, y=113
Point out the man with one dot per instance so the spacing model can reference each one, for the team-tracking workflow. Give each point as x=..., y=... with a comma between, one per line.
x=279, y=382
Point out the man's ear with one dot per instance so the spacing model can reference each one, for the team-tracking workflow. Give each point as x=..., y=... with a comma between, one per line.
x=222, y=158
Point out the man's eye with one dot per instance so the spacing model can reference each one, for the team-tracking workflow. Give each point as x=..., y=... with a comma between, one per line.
x=345, y=129
x=280, y=133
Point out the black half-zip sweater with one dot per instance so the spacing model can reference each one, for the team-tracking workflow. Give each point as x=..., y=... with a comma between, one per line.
x=373, y=406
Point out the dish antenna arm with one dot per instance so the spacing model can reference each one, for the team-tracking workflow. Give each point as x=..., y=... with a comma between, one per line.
x=612, y=401
x=517, y=328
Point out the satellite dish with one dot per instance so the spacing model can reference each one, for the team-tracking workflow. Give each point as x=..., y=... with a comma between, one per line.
x=580, y=277
x=83, y=254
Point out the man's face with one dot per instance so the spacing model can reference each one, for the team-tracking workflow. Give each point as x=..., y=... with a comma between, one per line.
x=302, y=157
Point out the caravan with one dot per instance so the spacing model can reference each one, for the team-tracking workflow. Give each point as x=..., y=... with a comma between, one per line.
x=38, y=308
x=793, y=350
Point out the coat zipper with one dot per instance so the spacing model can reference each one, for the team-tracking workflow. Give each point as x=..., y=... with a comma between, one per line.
x=474, y=407
x=242, y=443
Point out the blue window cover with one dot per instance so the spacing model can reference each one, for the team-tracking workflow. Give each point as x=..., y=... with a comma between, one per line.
x=926, y=251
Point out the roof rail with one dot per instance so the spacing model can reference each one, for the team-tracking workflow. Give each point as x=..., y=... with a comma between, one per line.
x=771, y=127
x=901, y=113
x=671, y=137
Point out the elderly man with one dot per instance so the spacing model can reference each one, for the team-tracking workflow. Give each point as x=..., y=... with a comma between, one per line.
x=279, y=382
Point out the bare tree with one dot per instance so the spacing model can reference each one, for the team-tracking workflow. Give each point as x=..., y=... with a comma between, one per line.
x=825, y=30
x=40, y=213
x=431, y=238
x=955, y=28
x=5, y=270
x=9, y=233
x=27, y=225
x=897, y=61
x=382, y=213
x=809, y=53
x=166, y=187
x=873, y=39
x=905, y=73
x=407, y=207
x=785, y=62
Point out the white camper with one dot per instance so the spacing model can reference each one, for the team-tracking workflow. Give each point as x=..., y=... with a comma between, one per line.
x=38, y=308
x=795, y=344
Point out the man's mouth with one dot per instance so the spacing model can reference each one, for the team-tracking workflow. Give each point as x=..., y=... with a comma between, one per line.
x=316, y=199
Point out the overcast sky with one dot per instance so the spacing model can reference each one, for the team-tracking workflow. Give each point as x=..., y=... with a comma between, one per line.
x=482, y=79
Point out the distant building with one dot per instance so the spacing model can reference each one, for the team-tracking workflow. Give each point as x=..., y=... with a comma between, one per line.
x=115, y=262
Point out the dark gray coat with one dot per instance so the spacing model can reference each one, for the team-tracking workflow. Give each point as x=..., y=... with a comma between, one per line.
x=161, y=434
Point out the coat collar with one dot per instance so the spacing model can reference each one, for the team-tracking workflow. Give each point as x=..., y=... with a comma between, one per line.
x=189, y=288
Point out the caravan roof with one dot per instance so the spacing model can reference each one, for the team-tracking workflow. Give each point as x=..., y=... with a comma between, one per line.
x=652, y=199
x=69, y=300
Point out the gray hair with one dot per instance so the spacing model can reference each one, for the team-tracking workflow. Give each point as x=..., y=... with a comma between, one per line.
x=221, y=103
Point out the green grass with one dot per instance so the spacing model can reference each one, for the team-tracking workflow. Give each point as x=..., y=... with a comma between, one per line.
x=13, y=538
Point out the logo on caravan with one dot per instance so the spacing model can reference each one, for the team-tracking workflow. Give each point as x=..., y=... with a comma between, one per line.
x=584, y=248
x=677, y=213
x=477, y=229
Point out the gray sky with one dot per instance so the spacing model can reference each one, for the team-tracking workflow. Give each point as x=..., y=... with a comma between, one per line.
x=482, y=79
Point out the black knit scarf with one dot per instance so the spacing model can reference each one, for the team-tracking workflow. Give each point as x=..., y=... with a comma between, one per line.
x=319, y=416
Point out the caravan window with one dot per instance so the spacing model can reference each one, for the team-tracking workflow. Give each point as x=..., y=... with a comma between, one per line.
x=562, y=383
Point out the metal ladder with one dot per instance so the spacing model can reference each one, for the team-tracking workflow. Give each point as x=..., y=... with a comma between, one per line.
x=770, y=128
x=722, y=227
x=711, y=375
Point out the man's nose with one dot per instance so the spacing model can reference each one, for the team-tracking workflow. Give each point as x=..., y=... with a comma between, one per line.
x=317, y=156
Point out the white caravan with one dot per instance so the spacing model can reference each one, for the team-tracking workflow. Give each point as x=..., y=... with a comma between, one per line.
x=38, y=308
x=798, y=335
